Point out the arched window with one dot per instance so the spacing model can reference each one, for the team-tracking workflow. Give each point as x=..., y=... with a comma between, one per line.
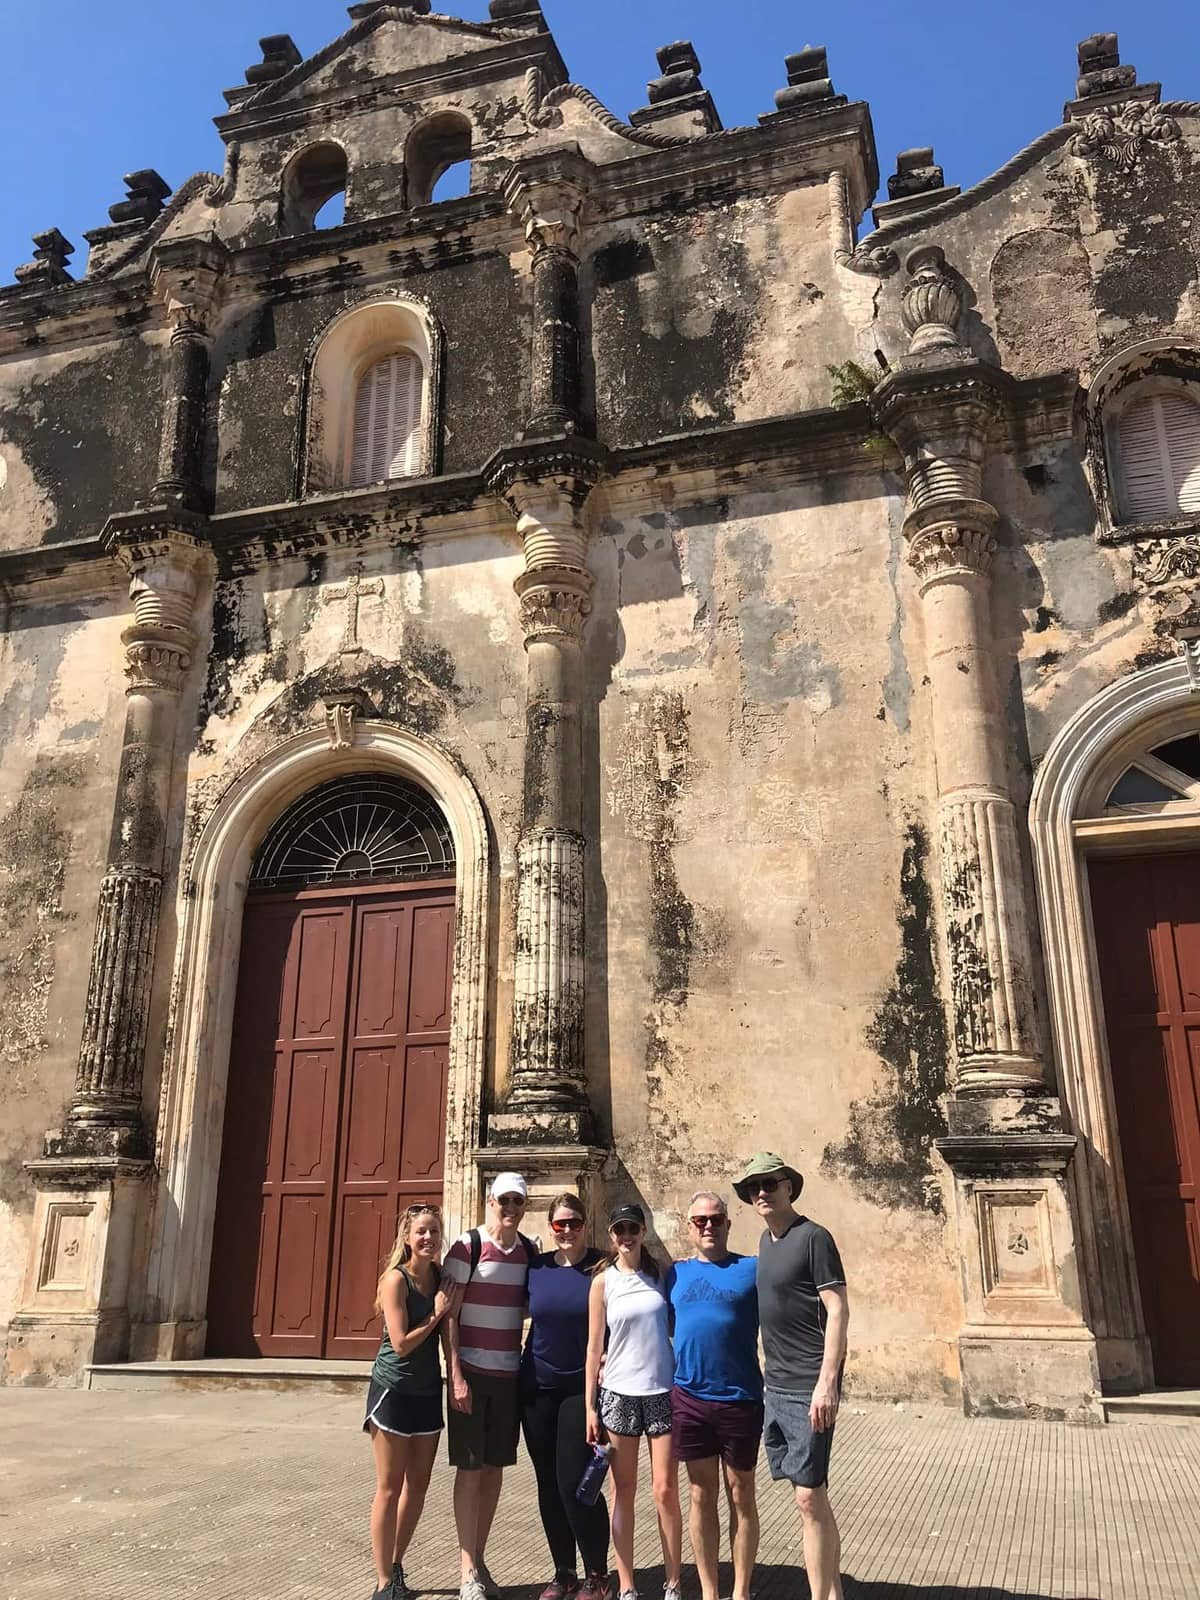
x=372, y=398
x=1166, y=776
x=313, y=181
x=366, y=827
x=387, y=420
x=434, y=147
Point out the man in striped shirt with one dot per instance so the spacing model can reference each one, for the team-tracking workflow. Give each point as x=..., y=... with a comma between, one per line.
x=484, y=1342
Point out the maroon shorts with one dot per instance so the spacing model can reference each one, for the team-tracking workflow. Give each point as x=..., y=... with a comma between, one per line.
x=731, y=1429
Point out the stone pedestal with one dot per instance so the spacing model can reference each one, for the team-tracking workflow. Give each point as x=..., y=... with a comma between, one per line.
x=571, y=1167
x=74, y=1307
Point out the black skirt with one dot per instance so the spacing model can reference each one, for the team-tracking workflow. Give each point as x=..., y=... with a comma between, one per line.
x=397, y=1411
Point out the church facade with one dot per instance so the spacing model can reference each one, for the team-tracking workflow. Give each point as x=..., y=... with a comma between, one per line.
x=634, y=664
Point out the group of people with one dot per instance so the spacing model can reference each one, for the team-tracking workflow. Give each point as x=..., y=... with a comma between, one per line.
x=620, y=1346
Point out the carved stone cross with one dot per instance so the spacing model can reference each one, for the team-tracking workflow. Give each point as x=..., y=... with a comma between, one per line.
x=352, y=591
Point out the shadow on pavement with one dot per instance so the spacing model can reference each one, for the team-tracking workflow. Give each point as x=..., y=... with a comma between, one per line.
x=775, y=1582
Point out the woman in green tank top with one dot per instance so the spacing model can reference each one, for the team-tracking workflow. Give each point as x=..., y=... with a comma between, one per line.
x=404, y=1400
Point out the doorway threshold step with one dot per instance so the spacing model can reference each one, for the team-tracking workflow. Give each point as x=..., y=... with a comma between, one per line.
x=323, y=1377
x=1163, y=1405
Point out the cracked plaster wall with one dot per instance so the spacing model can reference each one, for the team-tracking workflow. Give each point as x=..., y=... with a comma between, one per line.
x=762, y=756
x=61, y=715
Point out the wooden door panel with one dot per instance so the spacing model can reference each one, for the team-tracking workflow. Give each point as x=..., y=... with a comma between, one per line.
x=424, y=1123
x=307, y=1105
x=379, y=995
x=300, y=1270
x=368, y=1226
x=316, y=1002
x=1147, y=921
x=431, y=970
x=371, y=1116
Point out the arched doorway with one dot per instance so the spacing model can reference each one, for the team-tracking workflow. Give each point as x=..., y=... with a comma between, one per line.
x=1115, y=822
x=335, y=1109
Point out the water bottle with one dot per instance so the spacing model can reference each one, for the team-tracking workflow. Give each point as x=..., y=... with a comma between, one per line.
x=594, y=1475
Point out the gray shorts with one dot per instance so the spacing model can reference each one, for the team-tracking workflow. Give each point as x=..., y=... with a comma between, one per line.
x=794, y=1451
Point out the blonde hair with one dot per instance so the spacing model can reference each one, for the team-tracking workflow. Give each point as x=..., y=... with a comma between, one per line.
x=401, y=1252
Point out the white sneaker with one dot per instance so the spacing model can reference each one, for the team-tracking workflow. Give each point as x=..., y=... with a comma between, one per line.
x=490, y=1587
x=472, y=1589
x=672, y=1591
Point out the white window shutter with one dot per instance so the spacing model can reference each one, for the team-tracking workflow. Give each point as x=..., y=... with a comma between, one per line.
x=387, y=420
x=1158, y=441
x=1181, y=421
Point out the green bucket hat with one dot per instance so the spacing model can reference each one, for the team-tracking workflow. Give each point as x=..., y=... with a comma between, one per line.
x=766, y=1164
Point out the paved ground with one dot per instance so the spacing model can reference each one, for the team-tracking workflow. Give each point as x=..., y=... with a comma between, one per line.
x=236, y=1496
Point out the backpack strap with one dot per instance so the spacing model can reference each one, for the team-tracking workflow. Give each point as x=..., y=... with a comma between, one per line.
x=476, y=1251
x=532, y=1252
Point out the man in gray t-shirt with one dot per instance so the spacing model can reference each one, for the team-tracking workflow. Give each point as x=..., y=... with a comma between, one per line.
x=804, y=1313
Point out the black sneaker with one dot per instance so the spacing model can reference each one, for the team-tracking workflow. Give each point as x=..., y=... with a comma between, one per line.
x=401, y=1589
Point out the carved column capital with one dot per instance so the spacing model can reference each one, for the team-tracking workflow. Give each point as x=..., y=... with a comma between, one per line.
x=546, y=487
x=187, y=277
x=555, y=605
x=957, y=541
x=549, y=204
x=156, y=659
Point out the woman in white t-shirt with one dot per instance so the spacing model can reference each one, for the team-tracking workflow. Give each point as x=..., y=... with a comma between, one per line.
x=627, y=1303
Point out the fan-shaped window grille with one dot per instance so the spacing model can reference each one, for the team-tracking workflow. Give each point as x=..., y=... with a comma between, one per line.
x=1158, y=449
x=387, y=420
x=362, y=828
x=1168, y=775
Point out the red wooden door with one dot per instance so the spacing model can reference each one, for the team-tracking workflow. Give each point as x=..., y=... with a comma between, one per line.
x=349, y=995
x=1147, y=918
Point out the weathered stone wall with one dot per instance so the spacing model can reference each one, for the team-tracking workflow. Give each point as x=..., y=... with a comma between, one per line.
x=79, y=432
x=61, y=710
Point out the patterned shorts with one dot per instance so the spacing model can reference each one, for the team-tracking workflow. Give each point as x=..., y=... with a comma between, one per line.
x=634, y=1414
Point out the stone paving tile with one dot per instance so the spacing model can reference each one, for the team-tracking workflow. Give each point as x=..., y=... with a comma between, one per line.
x=245, y=1496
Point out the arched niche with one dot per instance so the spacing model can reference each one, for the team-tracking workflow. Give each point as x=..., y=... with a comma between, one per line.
x=310, y=180
x=357, y=340
x=434, y=146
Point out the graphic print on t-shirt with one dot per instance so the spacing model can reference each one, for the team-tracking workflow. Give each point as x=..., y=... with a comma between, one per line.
x=716, y=1328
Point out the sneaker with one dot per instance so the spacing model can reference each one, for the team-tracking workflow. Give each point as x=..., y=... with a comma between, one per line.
x=629, y=1594
x=472, y=1589
x=400, y=1585
x=486, y=1582
x=563, y=1586
x=596, y=1587
x=385, y=1593
x=672, y=1591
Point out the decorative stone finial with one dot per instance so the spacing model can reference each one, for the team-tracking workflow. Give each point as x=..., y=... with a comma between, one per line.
x=279, y=56
x=679, y=102
x=915, y=174
x=680, y=72
x=932, y=303
x=49, y=265
x=1100, y=69
x=147, y=192
x=810, y=87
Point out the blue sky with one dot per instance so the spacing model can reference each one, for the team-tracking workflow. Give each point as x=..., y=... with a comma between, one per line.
x=97, y=88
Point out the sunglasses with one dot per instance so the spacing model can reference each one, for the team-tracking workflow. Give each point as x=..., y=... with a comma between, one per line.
x=567, y=1224
x=762, y=1185
x=625, y=1230
x=708, y=1221
x=512, y=1201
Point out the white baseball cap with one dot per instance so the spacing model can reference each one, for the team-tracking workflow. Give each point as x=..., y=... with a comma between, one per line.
x=508, y=1183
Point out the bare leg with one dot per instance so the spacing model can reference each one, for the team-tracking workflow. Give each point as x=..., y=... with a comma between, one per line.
x=422, y=1451
x=704, y=1524
x=391, y=1457
x=822, y=1544
x=743, y=1528
x=491, y=1480
x=666, y=1502
x=466, y=1519
x=624, y=1488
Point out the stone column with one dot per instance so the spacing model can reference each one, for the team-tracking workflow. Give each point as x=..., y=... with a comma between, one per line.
x=186, y=276
x=547, y=193
x=1024, y=1346
x=547, y=1097
x=106, y=1116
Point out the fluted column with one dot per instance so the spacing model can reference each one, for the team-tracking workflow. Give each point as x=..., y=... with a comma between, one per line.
x=545, y=488
x=939, y=406
x=105, y=1116
x=548, y=193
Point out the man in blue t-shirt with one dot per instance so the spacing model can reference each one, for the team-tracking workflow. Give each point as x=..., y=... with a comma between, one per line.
x=717, y=1401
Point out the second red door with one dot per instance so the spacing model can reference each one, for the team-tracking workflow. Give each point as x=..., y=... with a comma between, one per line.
x=335, y=1113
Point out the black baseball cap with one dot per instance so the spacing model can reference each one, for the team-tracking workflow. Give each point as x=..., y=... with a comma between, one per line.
x=629, y=1213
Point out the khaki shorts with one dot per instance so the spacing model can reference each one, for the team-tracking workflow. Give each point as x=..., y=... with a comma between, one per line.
x=487, y=1435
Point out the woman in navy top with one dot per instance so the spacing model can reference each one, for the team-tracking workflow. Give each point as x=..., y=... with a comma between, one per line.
x=552, y=1409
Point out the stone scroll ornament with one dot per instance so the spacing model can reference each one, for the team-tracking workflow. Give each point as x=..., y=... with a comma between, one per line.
x=1120, y=135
